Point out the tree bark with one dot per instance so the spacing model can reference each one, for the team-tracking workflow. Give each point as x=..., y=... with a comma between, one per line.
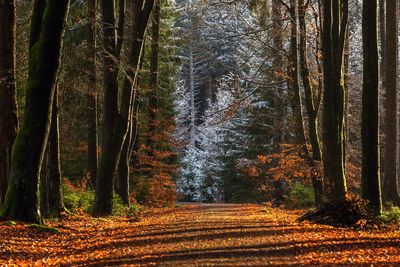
x=154, y=62
x=8, y=101
x=293, y=73
x=311, y=106
x=28, y=150
x=390, y=183
x=370, y=178
x=335, y=20
x=113, y=146
x=131, y=141
x=310, y=102
x=104, y=186
x=51, y=198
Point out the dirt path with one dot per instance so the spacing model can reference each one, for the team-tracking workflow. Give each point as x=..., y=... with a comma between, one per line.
x=199, y=235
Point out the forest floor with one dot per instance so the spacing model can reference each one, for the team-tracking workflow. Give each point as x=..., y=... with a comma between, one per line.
x=197, y=235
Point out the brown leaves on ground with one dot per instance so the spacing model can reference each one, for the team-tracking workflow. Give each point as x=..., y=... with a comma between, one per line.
x=201, y=235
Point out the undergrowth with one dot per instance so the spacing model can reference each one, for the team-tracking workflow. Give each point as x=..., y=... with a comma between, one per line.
x=391, y=214
x=81, y=198
x=300, y=196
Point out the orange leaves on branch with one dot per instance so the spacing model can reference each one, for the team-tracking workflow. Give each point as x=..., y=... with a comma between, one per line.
x=162, y=191
x=292, y=164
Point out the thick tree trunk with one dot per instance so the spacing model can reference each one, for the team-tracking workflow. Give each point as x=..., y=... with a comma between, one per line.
x=335, y=19
x=293, y=71
x=154, y=61
x=390, y=184
x=370, y=179
x=104, y=186
x=51, y=199
x=28, y=150
x=92, y=95
x=8, y=101
x=113, y=146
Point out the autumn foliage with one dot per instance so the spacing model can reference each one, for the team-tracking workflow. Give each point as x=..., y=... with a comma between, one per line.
x=291, y=165
x=154, y=184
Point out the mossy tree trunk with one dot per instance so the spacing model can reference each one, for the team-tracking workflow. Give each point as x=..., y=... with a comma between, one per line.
x=335, y=20
x=47, y=27
x=370, y=178
x=92, y=134
x=113, y=146
x=51, y=198
x=390, y=64
x=8, y=101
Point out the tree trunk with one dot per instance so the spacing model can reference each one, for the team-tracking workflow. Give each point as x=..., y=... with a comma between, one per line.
x=335, y=19
x=8, y=101
x=154, y=61
x=105, y=178
x=51, y=200
x=293, y=73
x=130, y=142
x=277, y=63
x=370, y=179
x=390, y=185
x=28, y=150
x=92, y=96
x=382, y=34
x=311, y=106
x=113, y=146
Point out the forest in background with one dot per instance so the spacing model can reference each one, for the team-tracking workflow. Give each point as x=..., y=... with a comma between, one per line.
x=114, y=103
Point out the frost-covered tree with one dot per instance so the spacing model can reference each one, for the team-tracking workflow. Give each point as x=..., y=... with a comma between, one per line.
x=228, y=83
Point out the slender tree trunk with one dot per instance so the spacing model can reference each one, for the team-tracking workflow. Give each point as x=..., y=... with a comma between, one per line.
x=390, y=184
x=335, y=19
x=131, y=144
x=293, y=71
x=278, y=63
x=382, y=34
x=311, y=106
x=346, y=80
x=122, y=181
x=8, y=101
x=154, y=61
x=192, y=96
x=92, y=95
x=370, y=179
x=28, y=150
x=51, y=199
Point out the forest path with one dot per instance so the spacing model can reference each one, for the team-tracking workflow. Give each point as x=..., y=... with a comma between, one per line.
x=198, y=235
